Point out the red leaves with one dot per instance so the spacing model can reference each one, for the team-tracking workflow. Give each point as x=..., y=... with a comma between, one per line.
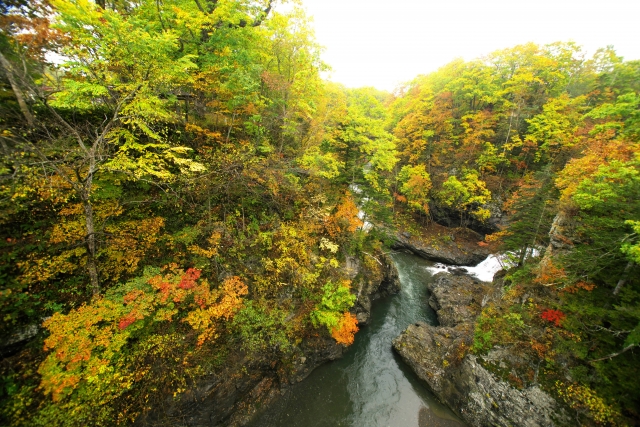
x=126, y=321
x=168, y=288
x=188, y=281
x=132, y=296
x=554, y=316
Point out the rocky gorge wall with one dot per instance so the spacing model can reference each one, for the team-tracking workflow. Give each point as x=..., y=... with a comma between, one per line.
x=439, y=356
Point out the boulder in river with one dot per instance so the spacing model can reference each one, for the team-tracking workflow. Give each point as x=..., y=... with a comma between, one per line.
x=459, y=246
x=456, y=299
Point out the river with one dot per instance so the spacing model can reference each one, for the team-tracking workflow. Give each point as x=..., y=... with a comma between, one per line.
x=370, y=386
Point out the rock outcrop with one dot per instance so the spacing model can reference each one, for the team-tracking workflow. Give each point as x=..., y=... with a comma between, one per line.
x=369, y=289
x=14, y=342
x=438, y=355
x=462, y=249
x=456, y=299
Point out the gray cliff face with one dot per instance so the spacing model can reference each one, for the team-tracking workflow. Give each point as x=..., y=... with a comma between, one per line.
x=437, y=355
x=451, y=218
x=456, y=299
x=485, y=401
x=371, y=289
x=13, y=343
x=449, y=252
x=232, y=396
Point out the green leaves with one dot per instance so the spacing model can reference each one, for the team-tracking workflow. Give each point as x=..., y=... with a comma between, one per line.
x=615, y=186
x=631, y=245
x=634, y=337
x=416, y=184
x=79, y=95
x=466, y=195
x=154, y=160
x=623, y=116
x=336, y=299
x=555, y=129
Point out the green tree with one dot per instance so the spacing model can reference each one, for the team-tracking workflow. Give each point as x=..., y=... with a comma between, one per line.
x=531, y=211
x=366, y=152
x=467, y=196
x=554, y=131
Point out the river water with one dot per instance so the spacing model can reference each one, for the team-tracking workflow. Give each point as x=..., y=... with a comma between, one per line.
x=370, y=386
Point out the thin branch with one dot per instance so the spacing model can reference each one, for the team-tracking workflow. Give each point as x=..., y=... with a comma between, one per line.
x=373, y=257
x=623, y=279
x=624, y=350
x=611, y=331
x=263, y=15
x=68, y=126
x=199, y=6
x=160, y=15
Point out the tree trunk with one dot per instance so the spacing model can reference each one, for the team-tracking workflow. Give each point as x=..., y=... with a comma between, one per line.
x=92, y=267
x=8, y=69
x=623, y=279
x=523, y=255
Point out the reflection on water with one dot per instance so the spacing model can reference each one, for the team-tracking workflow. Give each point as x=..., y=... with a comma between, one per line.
x=370, y=386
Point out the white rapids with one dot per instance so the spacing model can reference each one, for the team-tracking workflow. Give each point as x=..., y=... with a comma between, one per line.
x=487, y=268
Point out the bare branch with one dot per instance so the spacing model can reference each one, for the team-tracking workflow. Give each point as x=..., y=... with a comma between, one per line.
x=623, y=279
x=263, y=15
x=624, y=350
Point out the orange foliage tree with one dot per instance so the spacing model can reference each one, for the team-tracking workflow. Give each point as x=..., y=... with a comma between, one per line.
x=98, y=352
x=345, y=220
x=344, y=333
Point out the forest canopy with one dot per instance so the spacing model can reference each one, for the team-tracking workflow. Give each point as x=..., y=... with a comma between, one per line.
x=172, y=169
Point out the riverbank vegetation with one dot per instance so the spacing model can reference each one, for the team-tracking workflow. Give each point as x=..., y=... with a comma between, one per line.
x=178, y=182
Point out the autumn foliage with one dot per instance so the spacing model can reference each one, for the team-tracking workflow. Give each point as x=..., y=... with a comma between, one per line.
x=554, y=316
x=199, y=136
x=86, y=345
x=344, y=332
x=345, y=219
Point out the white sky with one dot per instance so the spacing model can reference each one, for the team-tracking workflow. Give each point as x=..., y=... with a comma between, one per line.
x=383, y=43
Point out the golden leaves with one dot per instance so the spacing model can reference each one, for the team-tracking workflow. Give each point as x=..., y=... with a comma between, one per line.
x=216, y=305
x=212, y=250
x=345, y=332
x=85, y=345
x=345, y=219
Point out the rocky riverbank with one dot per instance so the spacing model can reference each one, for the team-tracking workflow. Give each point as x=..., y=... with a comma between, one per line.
x=231, y=396
x=439, y=356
